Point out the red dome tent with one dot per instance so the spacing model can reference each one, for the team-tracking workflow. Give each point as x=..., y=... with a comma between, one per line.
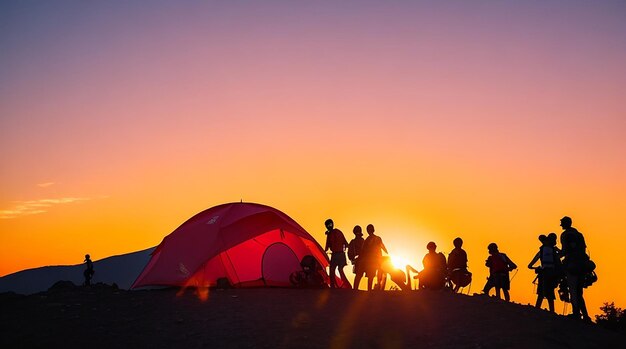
x=249, y=244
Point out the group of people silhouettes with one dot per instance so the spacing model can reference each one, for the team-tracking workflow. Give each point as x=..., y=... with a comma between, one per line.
x=566, y=267
x=366, y=255
x=367, y=259
x=569, y=266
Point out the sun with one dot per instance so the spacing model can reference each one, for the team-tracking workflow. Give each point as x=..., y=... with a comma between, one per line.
x=398, y=261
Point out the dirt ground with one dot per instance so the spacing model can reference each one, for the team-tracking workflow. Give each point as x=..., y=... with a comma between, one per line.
x=104, y=317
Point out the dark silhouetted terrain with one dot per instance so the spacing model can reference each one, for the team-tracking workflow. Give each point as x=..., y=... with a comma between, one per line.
x=105, y=317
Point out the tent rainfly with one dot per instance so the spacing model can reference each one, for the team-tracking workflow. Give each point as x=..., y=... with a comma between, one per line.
x=249, y=244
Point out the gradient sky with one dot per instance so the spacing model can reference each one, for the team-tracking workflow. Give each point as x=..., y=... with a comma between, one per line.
x=488, y=120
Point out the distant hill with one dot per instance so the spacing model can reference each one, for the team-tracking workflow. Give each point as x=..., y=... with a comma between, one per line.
x=121, y=269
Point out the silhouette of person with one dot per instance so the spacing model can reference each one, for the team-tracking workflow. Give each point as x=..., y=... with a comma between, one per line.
x=499, y=267
x=435, y=269
x=336, y=243
x=373, y=252
x=546, y=272
x=574, y=260
x=355, y=250
x=457, y=265
x=88, y=273
x=558, y=266
x=397, y=275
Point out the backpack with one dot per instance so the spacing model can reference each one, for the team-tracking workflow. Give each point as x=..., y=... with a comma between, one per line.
x=498, y=263
x=354, y=249
x=547, y=256
x=589, y=279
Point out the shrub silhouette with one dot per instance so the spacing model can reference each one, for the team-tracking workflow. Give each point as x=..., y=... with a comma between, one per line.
x=612, y=318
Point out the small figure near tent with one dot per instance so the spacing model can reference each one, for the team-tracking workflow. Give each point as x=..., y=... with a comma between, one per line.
x=311, y=276
x=336, y=242
x=433, y=276
x=546, y=272
x=576, y=263
x=355, y=250
x=89, y=271
x=499, y=267
x=373, y=253
x=457, y=266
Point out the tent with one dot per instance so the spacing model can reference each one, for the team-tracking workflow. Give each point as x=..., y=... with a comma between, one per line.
x=249, y=244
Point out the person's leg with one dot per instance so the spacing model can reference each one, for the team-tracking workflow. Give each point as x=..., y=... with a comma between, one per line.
x=382, y=280
x=507, y=297
x=539, y=301
x=344, y=279
x=370, y=281
x=498, y=292
x=332, y=274
x=581, y=302
x=488, y=285
x=357, y=280
x=551, y=304
x=574, y=297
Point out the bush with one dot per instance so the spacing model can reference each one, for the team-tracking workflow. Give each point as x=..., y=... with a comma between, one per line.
x=612, y=318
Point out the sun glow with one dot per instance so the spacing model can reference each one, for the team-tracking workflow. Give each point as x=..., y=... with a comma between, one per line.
x=399, y=262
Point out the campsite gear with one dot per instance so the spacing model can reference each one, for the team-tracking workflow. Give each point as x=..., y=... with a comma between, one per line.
x=249, y=244
x=589, y=279
x=563, y=291
x=513, y=277
x=461, y=277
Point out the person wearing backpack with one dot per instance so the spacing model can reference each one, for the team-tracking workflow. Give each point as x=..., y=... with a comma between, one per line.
x=355, y=250
x=546, y=272
x=575, y=262
x=499, y=267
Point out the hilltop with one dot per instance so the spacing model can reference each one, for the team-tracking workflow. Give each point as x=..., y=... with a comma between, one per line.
x=104, y=316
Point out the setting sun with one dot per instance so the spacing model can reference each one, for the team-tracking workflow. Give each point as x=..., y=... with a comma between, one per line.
x=399, y=262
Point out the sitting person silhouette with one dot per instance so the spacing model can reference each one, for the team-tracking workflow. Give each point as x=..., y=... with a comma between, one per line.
x=397, y=275
x=434, y=274
x=457, y=266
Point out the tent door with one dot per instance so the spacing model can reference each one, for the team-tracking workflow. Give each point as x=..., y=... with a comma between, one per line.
x=279, y=261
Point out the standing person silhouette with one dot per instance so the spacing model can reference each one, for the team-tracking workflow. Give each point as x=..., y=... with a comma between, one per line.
x=372, y=250
x=88, y=273
x=355, y=250
x=574, y=259
x=336, y=242
x=546, y=273
x=499, y=267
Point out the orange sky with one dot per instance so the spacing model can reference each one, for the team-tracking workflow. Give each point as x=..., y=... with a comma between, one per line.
x=430, y=120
